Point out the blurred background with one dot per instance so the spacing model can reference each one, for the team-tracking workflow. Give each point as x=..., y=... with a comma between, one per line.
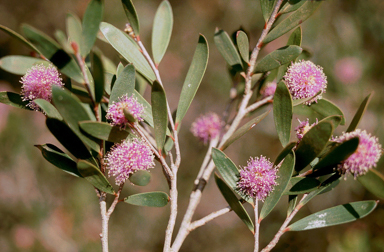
x=45, y=209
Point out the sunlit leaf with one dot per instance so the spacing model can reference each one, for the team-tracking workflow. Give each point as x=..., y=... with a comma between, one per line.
x=74, y=29
x=131, y=14
x=322, y=109
x=19, y=64
x=267, y=8
x=278, y=58
x=162, y=30
x=91, y=21
x=227, y=49
x=234, y=203
x=282, y=113
x=335, y=216
x=150, y=199
x=243, y=45
x=124, y=84
x=359, y=114
x=194, y=76
x=48, y=109
x=140, y=178
x=94, y=176
x=160, y=114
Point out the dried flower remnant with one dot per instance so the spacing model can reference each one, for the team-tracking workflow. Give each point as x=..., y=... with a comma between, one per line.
x=258, y=178
x=38, y=82
x=364, y=158
x=303, y=128
x=206, y=127
x=304, y=79
x=269, y=89
x=128, y=157
x=115, y=112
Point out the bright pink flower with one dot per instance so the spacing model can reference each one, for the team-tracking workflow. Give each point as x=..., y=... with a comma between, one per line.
x=115, y=112
x=207, y=127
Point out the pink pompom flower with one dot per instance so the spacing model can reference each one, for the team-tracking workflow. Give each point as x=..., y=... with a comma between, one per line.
x=207, y=127
x=115, y=112
x=128, y=157
x=38, y=82
x=366, y=155
x=303, y=128
x=304, y=79
x=258, y=178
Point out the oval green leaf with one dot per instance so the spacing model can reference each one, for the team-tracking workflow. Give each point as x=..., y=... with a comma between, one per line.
x=295, y=19
x=19, y=65
x=278, y=58
x=98, y=76
x=243, y=45
x=322, y=109
x=298, y=185
x=374, y=182
x=140, y=178
x=48, y=109
x=283, y=177
x=52, y=51
x=359, y=114
x=150, y=199
x=73, y=112
x=267, y=8
x=291, y=5
x=131, y=14
x=282, y=113
x=94, y=176
x=312, y=144
x=74, y=29
x=160, y=114
x=234, y=203
x=162, y=30
x=91, y=21
x=19, y=37
x=127, y=49
x=244, y=129
x=104, y=131
x=227, y=49
x=59, y=159
x=194, y=76
x=13, y=99
x=124, y=84
x=284, y=152
x=335, y=216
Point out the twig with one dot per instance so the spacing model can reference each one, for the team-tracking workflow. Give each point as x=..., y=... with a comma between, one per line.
x=209, y=217
x=104, y=222
x=257, y=225
x=282, y=229
x=258, y=104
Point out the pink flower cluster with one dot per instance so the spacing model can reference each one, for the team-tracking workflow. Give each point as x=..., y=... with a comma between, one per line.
x=304, y=79
x=258, y=178
x=303, y=128
x=115, y=112
x=38, y=82
x=128, y=157
x=366, y=155
x=207, y=127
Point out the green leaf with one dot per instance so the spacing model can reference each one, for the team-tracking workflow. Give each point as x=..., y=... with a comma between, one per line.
x=151, y=199
x=94, y=176
x=19, y=37
x=51, y=50
x=194, y=76
x=104, y=131
x=130, y=12
x=244, y=129
x=162, y=30
x=284, y=152
x=13, y=99
x=278, y=58
x=227, y=49
x=19, y=64
x=147, y=116
x=341, y=152
x=295, y=19
x=295, y=37
x=374, y=182
x=74, y=29
x=159, y=112
x=335, y=120
x=61, y=37
x=299, y=185
x=335, y=216
x=267, y=8
x=324, y=187
x=68, y=138
x=312, y=144
x=282, y=113
x=48, y=109
x=292, y=200
x=140, y=178
x=298, y=102
x=73, y=112
x=234, y=203
x=291, y=5
x=59, y=159
x=359, y=114
x=323, y=108
x=283, y=175
x=124, y=84
x=98, y=76
x=127, y=49
x=243, y=45
x=91, y=21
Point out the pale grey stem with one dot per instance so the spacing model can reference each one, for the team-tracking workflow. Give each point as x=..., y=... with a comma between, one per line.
x=104, y=223
x=147, y=135
x=283, y=227
x=172, y=217
x=259, y=104
x=208, y=218
x=197, y=192
x=257, y=225
x=207, y=157
x=84, y=73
